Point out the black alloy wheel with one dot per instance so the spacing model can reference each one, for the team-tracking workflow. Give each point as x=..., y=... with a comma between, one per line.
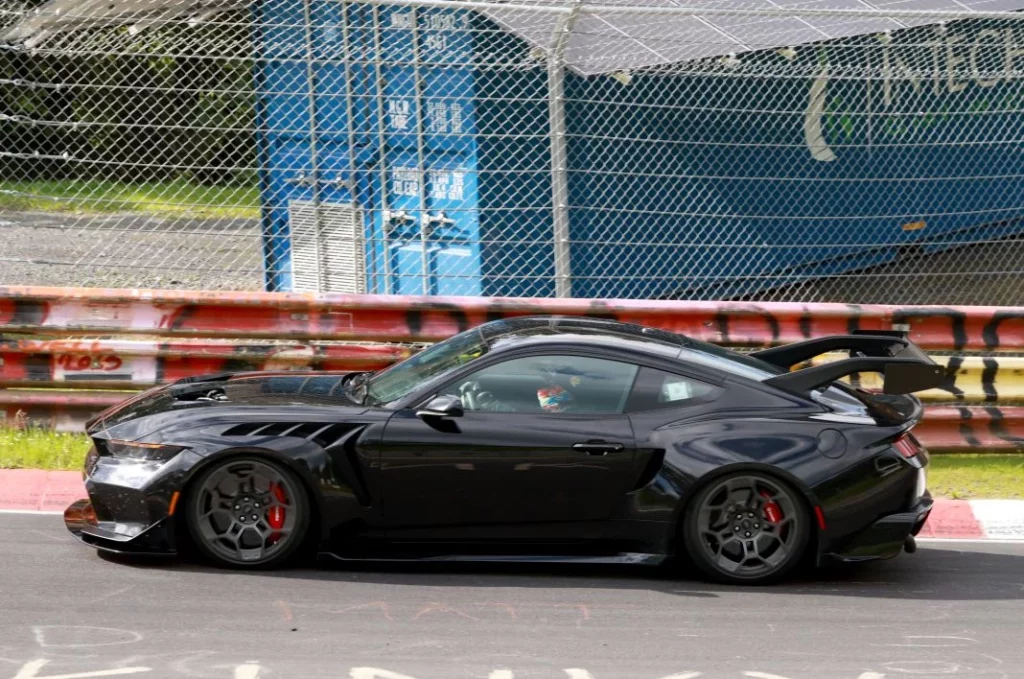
x=248, y=513
x=746, y=528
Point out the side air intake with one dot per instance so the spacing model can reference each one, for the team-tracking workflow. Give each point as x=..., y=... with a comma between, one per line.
x=324, y=434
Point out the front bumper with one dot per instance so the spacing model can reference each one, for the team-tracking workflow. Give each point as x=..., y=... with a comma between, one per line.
x=119, y=538
x=885, y=538
x=129, y=508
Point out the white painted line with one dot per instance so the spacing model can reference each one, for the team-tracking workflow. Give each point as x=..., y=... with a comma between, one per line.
x=1000, y=518
x=375, y=673
x=30, y=670
x=250, y=670
x=31, y=511
x=972, y=541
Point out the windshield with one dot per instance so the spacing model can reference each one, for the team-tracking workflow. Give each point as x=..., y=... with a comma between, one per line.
x=430, y=364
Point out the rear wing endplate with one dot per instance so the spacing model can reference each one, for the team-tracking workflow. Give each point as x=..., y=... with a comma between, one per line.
x=904, y=366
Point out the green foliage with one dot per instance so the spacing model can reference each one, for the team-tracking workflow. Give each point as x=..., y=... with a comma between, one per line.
x=161, y=104
x=33, y=448
x=177, y=197
x=983, y=475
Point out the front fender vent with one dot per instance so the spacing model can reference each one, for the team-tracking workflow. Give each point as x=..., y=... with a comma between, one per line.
x=329, y=436
x=324, y=434
x=246, y=429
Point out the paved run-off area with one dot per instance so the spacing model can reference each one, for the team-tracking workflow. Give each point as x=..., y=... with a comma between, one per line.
x=130, y=250
x=953, y=609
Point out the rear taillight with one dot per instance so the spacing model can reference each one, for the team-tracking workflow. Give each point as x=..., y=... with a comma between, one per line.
x=907, y=446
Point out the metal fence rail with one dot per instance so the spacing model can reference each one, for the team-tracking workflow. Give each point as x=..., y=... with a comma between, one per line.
x=583, y=149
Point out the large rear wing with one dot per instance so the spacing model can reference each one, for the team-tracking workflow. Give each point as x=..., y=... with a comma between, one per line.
x=904, y=366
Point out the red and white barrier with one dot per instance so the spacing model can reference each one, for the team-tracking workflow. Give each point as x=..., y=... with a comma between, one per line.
x=59, y=381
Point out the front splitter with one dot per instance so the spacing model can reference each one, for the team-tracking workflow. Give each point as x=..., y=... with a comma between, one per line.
x=155, y=540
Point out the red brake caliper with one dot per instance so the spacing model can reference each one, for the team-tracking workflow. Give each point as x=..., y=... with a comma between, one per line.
x=772, y=510
x=275, y=516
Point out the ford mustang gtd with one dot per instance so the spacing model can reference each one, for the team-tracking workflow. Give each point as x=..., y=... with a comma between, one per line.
x=548, y=438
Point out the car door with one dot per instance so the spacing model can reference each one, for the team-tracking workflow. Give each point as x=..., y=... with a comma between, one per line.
x=543, y=442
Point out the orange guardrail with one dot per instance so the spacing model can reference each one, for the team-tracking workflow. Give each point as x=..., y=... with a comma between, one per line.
x=169, y=313
x=132, y=364
x=51, y=376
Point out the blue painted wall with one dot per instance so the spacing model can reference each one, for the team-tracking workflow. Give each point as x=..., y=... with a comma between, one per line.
x=702, y=185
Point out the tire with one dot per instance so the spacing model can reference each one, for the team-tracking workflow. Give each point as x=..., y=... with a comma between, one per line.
x=248, y=513
x=730, y=535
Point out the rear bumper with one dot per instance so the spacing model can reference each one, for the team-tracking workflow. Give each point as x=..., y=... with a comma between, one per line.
x=885, y=538
x=119, y=538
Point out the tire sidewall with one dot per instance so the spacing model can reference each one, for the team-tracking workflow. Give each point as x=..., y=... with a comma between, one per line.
x=695, y=553
x=296, y=539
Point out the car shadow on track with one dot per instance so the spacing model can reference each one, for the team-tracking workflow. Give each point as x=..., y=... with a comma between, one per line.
x=941, y=573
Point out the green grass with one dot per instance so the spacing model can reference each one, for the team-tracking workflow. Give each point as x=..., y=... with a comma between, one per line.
x=172, y=198
x=972, y=476
x=33, y=448
x=960, y=476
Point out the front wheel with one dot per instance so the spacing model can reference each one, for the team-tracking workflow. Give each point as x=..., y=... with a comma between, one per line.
x=746, y=528
x=248, y=512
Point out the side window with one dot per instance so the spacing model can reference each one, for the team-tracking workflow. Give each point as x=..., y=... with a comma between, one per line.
x=548, y=384
x=655, y=389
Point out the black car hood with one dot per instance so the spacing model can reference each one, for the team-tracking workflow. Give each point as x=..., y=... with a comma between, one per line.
x=200, y=397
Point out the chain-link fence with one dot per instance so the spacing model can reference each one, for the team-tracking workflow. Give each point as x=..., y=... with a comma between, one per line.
x=742, y=150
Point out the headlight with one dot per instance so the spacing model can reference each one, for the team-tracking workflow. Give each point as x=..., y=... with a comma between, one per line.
x=150, y=452
x=91, y=458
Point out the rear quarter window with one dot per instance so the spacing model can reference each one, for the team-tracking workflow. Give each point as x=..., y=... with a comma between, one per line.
x=657, y=390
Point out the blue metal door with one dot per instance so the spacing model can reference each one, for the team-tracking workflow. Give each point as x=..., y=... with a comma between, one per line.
x=369, y=109
x=428, y=211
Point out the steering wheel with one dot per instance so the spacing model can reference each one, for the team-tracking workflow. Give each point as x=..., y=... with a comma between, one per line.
x=473, y=398
x=468, y=392
x=485, y=400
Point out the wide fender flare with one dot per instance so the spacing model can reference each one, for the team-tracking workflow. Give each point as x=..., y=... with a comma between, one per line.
x=299, y=465
x=808, y=495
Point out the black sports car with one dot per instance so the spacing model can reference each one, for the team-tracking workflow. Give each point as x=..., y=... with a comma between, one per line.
x=556, y=439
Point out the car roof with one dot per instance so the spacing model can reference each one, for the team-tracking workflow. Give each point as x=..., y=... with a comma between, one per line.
x=505, y=334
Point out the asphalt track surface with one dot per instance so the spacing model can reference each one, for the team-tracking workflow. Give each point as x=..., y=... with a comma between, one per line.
x=951, y=610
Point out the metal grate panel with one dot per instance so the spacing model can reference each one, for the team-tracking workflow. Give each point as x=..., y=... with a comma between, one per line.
x=328, y=255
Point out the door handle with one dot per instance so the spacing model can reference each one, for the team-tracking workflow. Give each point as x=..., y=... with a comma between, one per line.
x=598, y=447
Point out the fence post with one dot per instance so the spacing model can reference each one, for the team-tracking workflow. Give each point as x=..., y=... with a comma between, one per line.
x=559, y=155
x=350, y=130
x=421, y=152
x=382, y=149
x=314, y=150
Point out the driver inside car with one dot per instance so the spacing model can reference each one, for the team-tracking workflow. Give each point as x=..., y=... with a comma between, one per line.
x=556, y=395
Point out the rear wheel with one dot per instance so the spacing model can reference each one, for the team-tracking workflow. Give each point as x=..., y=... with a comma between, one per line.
x=248, y=513
x=746, y=528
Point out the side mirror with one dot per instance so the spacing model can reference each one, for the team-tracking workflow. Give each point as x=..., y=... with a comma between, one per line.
x=442, y=406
